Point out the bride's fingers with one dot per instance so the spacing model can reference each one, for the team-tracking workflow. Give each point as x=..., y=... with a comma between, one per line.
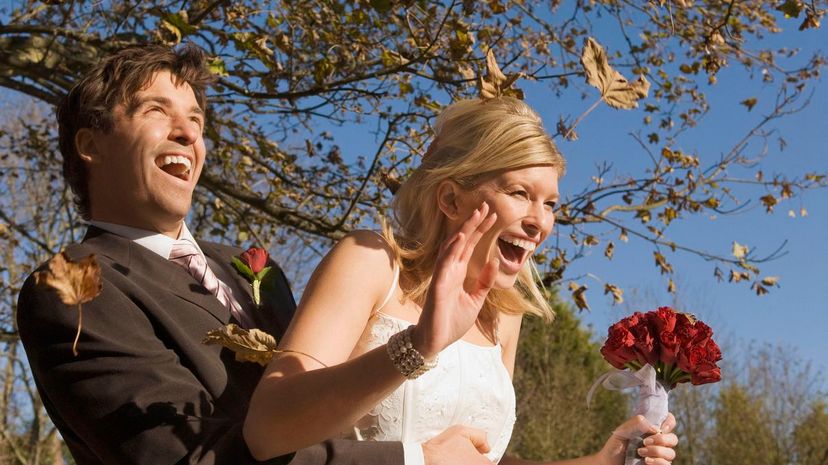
x=657, y=452
x=663, y=439
x=669, y=423
x=484, y=226
x=486, y=279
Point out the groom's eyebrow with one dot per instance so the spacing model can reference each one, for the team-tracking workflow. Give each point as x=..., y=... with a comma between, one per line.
x=159, y=99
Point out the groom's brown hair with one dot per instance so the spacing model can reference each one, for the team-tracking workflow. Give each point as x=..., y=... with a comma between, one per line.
x=115, y=80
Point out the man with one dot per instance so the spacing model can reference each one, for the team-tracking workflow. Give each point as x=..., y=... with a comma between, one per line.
x=143, y=388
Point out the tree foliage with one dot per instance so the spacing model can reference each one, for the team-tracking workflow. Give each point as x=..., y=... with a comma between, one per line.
x=298, y=77
x=555, y=366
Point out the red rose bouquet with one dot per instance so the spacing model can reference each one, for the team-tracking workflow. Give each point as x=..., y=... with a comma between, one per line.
x=661, y=348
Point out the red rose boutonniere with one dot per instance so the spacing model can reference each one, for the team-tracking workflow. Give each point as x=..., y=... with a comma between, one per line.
x=251, y=264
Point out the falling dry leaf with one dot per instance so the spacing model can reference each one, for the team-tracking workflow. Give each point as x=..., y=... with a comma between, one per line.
x=749, y=103
x=76, y=283
x=617, y=293
x=770, y=280
x=578, y=295
x=616, y=91
x=495, y=83
x=739, y=250
x=250, y=345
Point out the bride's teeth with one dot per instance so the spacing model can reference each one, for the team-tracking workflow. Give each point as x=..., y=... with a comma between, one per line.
x=525, y=245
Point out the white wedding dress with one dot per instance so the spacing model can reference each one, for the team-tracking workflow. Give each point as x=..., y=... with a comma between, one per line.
x=469, y=386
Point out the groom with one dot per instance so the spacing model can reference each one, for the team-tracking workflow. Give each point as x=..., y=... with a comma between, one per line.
x=143, y=388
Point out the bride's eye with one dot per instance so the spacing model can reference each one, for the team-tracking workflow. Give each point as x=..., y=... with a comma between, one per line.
x=519, y=193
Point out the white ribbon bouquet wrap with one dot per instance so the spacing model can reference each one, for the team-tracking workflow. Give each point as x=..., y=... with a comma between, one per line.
x=651, y=403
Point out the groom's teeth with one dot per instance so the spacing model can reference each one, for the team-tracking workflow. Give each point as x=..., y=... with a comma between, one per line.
x=176, y=159
x=525, y=245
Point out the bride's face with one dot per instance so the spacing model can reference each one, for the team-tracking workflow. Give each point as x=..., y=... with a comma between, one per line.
x=524, y=201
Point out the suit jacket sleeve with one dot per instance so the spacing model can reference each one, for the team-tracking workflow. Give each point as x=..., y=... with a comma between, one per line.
x=129, y=397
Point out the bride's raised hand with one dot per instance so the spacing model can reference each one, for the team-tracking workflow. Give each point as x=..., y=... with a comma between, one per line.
x=453, y=302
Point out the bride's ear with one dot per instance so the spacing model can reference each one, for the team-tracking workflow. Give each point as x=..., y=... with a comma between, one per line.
x=448, y=198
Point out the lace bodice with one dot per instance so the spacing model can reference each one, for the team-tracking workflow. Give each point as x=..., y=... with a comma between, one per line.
x=469, y=386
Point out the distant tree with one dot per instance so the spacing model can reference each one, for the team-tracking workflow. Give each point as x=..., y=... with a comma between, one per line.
x=811, y=437
x=555, y=367
x=742, y=433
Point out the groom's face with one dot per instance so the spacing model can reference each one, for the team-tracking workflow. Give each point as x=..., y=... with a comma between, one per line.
x=143, y=171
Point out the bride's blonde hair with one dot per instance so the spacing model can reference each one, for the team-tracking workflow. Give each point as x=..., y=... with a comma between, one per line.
x=474, y=141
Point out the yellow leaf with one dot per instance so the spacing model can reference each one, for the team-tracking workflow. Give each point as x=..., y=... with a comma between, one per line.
x=739, y=250
x=671, y=286
x=616, y=91
x=249, y=345
x=749, y=103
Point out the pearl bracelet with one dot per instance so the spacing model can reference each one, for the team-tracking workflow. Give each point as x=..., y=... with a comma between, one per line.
x=406, y=359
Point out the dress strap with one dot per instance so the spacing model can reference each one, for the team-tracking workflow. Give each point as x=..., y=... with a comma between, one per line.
x=391, y=290
x=393, y=287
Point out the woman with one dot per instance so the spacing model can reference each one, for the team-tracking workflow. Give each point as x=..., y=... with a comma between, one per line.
x=439, y=301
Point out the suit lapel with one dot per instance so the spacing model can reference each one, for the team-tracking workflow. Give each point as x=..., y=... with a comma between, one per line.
x=157, y=274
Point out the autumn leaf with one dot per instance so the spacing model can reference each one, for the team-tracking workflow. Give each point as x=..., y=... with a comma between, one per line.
x=250, y=345
x=617, y=293
x=495, y=83
x=609, y=250
x=76, y=283
x=749, y=103
x=616, y=91
x=791, y=8
x=739, y=250
x=770, y=281
x=662, y=263
x=578, y=295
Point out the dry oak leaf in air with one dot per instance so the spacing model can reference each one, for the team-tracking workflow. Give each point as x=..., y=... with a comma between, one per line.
x=76, y=283
x=495, y=83
x=616, y=91
x=249, y=345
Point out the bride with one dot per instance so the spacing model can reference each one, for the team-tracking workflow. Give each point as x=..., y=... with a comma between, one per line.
x=404, y=334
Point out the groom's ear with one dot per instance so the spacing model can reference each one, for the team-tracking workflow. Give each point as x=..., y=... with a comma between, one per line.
x=86, y=147
x=448, y=198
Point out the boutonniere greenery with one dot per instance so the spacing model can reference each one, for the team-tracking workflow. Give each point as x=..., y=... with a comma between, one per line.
x=252, y=265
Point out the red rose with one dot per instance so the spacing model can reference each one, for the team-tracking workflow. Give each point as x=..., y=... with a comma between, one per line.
x=706, y=373
x=645, y=344
x=713, y=351
x=618, y=350
x=255, y=258
x=702, y=334
x=685, y=331
x=663, y=319
x=669, y=347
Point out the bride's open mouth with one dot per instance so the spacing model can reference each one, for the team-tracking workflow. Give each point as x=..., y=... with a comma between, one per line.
x=514, y=252
x=177, y=166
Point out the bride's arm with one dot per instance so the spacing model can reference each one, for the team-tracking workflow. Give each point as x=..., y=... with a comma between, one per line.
x=300, y=402
x=288, y=412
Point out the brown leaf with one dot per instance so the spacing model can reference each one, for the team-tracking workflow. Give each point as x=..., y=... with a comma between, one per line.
x=249, y=345
x=749, y=103
x=76, y=283
x=616, y=91
x=609, y=250
x=617, y=293
x=578, y=295
x=495, y=83
x=662, y=263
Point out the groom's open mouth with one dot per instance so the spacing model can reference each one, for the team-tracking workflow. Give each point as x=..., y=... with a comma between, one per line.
x=177, y=166
x=514, y=251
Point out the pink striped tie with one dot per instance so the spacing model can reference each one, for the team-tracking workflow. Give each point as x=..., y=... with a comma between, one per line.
x=187, y=255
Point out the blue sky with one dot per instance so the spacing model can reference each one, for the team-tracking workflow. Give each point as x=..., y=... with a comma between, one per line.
x=794, y=315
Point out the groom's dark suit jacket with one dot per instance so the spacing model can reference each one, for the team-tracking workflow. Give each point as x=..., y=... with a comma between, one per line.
x=144, y=389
